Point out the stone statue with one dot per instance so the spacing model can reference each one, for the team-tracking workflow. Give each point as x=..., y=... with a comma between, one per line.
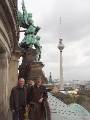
x=30, y=38
x=25, y=21
x=38, y=48
x=23, y=17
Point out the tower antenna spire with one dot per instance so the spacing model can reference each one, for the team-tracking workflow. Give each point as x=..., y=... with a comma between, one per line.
x=60, y=27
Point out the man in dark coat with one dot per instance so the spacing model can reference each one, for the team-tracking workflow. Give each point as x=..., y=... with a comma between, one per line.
x=18, y=100
x=36, y=98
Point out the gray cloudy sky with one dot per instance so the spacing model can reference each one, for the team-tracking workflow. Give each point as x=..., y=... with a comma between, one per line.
x=75, y=30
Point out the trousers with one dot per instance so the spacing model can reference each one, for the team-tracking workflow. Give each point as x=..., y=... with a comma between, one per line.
x=18, y=115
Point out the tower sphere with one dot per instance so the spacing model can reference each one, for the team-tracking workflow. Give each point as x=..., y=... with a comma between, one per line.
x=60, y=45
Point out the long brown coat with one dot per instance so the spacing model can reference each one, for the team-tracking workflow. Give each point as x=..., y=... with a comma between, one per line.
x=33, y=97
x=14, y=98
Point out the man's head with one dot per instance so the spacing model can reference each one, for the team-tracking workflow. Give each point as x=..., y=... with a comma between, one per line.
x=21, y=82
x=31, y=82
x=39, y=81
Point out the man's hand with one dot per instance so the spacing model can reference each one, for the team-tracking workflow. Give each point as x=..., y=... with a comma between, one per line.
x=27, y=107
x=40, y=100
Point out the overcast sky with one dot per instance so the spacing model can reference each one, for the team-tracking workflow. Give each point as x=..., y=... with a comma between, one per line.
x=74, y=29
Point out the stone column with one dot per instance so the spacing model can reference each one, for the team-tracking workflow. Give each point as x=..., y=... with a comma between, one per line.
x=12, y=79
x=13, y=71
x=3, y=84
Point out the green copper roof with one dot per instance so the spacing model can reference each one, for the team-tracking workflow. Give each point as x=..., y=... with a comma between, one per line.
x=61, y=111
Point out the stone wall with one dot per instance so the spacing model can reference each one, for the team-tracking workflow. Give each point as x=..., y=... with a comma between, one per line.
x=8, y=53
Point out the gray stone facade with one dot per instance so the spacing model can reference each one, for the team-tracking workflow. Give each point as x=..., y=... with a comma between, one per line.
x=9, y=53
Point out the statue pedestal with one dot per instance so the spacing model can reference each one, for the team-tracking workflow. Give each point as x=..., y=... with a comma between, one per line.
x=30, y=69
x=36, y=71
x=28, y=56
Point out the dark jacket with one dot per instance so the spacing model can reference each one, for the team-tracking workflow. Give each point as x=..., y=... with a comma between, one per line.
x=42, y=110
x=34, y=94
x=14, y=98
x=28, y=92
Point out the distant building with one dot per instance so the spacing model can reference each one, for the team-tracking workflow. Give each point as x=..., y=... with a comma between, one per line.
x=50, y=78
x=81, y=87
x=74, y=84
x=87, y=86
x=68, y=86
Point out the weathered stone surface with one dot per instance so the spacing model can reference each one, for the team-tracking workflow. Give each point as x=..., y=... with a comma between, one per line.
x=35, y=70
x=8, y=53
x=30, y=69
